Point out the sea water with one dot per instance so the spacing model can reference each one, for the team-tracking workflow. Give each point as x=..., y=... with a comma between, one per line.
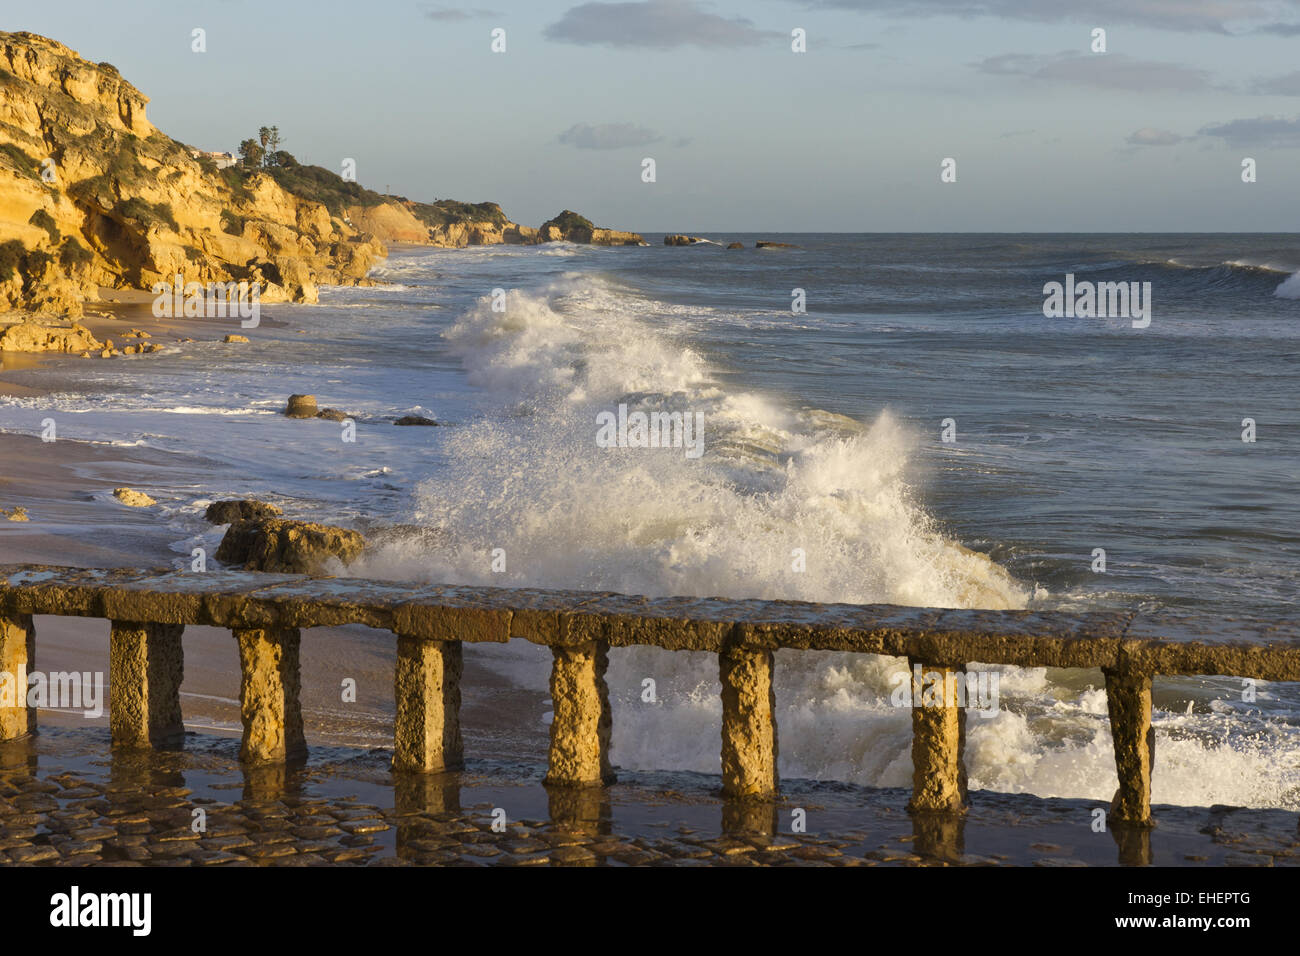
x=919, y=433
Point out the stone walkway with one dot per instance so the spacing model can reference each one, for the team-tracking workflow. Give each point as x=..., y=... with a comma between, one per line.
x=65, y=800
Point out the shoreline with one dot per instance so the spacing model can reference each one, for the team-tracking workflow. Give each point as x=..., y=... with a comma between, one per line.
x=113, y=325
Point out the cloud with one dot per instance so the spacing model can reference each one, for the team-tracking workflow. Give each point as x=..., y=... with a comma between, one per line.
x=608, y=136
x=1281, y=29
x=1150, y=136
x=1216, y=16
x=1288, y=85
x=660, y=24
x=1113, y=71
x=1275, y=132
x=452, y=13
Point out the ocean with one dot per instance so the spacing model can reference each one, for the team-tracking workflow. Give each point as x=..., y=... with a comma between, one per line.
x=920, y=433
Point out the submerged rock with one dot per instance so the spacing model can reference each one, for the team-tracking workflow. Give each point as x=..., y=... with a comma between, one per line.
x=133, y=499
x=332, y=414
x=764, y=244
x=239, y=509
x=301, y=406
x=735, y=245
x=295, y=547
x=414, y=420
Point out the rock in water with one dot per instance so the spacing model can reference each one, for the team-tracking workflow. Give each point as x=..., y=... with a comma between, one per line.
x=332, y=414
x=680, y=240
x=295, y=547
x=764, y=244
x=414, y=420
x=18, y=513
x=239, y=509
x=735, y=245
x=235, y=339
x=301, y=406
x=133, y=499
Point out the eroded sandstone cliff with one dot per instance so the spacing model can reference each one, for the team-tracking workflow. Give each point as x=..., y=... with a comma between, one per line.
x=91, y=195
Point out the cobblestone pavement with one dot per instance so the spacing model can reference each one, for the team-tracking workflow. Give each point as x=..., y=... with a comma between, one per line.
x=64, y=801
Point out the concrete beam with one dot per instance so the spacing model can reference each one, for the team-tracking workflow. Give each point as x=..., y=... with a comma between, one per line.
x=145, y=667
x=426, y=731
x=269, y=695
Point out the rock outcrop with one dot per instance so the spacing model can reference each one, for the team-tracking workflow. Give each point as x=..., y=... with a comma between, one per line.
x=239, y=509
x=680, y=240
x=301, y=406
x=568, y=226
x=133, y=499
x=29, y=336
x=297, y=547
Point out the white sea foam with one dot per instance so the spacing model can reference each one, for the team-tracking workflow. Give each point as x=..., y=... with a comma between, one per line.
x=1290, y=289
x=530, y=479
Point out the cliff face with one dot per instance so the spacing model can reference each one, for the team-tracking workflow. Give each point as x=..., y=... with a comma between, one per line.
x=457, y=225
x=91, y=195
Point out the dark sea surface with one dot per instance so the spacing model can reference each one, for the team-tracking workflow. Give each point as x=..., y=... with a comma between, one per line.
x=824, y=474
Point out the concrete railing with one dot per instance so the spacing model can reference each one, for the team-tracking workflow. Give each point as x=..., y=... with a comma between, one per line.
x=265, y=612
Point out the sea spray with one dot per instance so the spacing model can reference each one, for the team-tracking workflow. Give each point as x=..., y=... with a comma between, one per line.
x=528, y=481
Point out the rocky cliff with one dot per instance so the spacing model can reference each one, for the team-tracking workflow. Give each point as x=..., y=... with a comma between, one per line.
x=92, y=195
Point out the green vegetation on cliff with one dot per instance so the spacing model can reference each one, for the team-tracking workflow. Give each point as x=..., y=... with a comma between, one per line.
x=569, y=221
x=444, y=212
x=321, y=185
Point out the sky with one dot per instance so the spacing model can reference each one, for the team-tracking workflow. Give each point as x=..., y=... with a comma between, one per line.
x=746, y=134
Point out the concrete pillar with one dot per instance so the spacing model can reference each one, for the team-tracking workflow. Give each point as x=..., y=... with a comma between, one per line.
x=749, y=746
x=426, y=731
x=17, y=660
x=581, y=727
x=145, y=667
x=938, y=737
x=1128, y=699
x=269, y=691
